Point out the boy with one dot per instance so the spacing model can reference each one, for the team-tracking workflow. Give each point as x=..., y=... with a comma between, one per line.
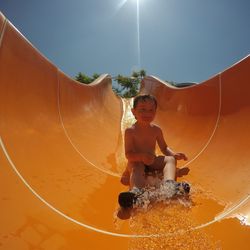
x=140, y=143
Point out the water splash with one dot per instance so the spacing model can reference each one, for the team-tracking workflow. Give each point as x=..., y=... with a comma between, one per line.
x=173, y=220
x=165, y=192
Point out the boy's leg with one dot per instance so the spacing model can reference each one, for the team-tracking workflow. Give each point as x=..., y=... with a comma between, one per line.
x=125, y=178
x=167, y=164
x=137, y=177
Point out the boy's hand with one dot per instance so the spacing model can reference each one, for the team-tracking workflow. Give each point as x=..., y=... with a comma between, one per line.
x=180, y=156
x=148, y=158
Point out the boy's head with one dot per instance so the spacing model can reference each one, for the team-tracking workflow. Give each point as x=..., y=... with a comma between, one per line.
x=144, y=108
x=144, y=98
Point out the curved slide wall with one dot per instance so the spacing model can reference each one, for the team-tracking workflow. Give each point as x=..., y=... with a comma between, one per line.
x=61, y=148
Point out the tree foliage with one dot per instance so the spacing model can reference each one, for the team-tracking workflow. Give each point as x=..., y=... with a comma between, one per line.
x=128, y=86
x=81, y=77
x=125, y=86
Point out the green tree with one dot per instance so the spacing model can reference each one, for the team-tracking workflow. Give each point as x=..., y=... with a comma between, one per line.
x=83, y=78
x=126, y=86
x=142, y=73
x=95, y=76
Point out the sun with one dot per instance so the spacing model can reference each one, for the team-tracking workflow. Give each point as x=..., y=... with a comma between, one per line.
x=120, y=5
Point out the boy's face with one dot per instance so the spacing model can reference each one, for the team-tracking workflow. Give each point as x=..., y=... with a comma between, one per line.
x=145, y=111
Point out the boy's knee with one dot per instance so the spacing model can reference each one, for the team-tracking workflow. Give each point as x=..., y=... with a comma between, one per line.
x=137, y=168
x=170, y=159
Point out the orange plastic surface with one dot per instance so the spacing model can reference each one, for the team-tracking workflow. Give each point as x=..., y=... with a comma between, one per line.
x=62, y=154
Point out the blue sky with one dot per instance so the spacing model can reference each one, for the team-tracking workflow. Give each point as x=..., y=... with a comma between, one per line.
x=180, y=40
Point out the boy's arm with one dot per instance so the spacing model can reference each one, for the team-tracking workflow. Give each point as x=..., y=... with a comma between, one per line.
x=163, y=145
x=165, y=149
x=131, y=153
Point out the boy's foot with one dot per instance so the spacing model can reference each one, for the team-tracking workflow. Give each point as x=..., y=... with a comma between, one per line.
x=172, y=188
x=183, y=188
x=127, y=199
x=124, y=213
x=125, y=179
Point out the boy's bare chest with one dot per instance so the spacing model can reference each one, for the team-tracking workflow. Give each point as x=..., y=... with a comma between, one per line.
x=145, y=139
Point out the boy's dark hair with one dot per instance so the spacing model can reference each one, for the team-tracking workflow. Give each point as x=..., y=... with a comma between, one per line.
x=144, y=98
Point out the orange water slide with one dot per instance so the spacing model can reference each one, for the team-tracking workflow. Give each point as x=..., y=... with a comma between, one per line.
x=61, y=155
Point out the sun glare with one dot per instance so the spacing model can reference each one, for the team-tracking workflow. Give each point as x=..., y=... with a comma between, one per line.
x=119, y=6
x=123, y=2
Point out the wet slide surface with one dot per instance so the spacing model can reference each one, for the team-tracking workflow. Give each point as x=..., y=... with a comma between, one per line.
x=61, y=155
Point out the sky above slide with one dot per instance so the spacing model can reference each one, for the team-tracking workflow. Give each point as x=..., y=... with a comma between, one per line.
x=176, y=40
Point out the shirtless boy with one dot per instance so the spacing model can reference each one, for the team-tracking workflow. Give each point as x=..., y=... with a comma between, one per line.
x=140, y=143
